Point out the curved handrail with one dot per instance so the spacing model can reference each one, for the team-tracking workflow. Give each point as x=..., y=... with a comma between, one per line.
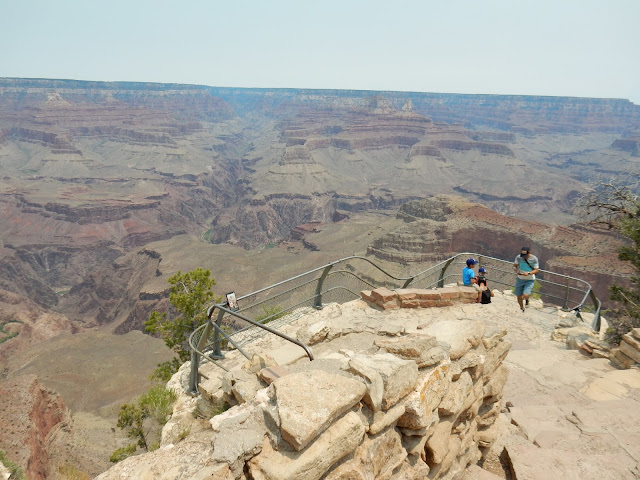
x=315, y=280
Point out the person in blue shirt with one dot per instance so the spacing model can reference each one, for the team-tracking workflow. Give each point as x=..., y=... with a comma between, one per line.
x=526, y=266
x=468, y=275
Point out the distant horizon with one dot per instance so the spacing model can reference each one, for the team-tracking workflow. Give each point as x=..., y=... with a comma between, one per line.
x=572, y=48
x=142, y=82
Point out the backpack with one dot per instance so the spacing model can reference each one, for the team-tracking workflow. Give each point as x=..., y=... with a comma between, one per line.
x=486, y=296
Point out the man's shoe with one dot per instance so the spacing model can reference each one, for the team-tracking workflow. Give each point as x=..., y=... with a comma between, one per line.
x=526, y=302
x=522, y=308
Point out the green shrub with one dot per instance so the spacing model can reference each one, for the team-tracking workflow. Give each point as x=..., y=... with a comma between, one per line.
x=271, y=313
x=71, y=472
x=144, y=419
x=189, y=294
x=121, y=453
x=16, y=472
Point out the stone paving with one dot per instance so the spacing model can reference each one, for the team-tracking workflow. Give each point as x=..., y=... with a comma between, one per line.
x=568, y=416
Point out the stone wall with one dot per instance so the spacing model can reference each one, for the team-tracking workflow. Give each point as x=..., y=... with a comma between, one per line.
x=390, y=395
x=419, y=298
x=628, y=353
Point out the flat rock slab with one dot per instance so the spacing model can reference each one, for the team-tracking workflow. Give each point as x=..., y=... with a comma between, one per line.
x=388, y=378
x=535, y=419
x=309, y=401
x=462, y=335
x=338, y=441
x=531, y=463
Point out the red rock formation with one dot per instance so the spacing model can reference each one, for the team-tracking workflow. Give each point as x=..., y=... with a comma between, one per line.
x=30, y=415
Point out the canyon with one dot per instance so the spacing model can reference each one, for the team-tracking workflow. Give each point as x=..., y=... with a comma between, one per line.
x=109, y=188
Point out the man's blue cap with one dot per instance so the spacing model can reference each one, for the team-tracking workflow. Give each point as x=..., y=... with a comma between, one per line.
x=471, y=261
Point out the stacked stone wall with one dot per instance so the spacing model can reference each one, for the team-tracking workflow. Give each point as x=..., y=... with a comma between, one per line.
x=380, y=401
x=628, y=352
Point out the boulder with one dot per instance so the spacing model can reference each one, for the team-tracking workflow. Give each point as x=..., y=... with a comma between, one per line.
x=630, y=346
x=339, y=440
x=458, y=392
x=461, y=335
x=432, y=385
x=423, y=349
x=309, y=401
x=388, y=378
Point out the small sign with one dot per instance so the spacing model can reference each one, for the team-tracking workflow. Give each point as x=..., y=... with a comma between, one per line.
x=232, y=301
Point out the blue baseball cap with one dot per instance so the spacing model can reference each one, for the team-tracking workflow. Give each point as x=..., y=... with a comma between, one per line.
x=482, y=270
x=471, y=261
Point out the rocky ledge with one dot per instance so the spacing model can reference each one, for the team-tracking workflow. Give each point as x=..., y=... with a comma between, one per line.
x=399, y=396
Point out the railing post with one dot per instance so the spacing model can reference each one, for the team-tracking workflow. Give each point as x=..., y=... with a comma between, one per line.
x=444, y=269
x=216, y=335
x=317, y=302
x=193, y=374
x=195, y=355
x=595, y=325
x=566, y=298
x=408, y=281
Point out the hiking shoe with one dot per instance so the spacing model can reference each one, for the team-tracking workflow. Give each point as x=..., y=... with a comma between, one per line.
x=522, y=308
x=526, y=302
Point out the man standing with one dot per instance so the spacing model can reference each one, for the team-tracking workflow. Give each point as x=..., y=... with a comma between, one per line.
x=468, y=275
x=526, y=266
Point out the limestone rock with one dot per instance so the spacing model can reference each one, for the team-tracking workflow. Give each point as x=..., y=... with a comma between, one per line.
x=209, y=387
x=494, y=387
x=630, y=346
x=238, y=435
x=576, y=336
x=423, y=349
x=492, y=336
x=340, y=439
x=472, y=361
x=474, y=472
x=377, y=457
x=495, y=357
x=388, y=378
x=419, y=406
x=258, y=362
x=560, y=334
x=417, y=470
x=270, y=374
x=620, y=359
x=385, y=419
x=438, y=443
x=309, y=401
x=240, y=384
x=461, y=335
x=312, y=334
x=527, y=463
x=458, y=392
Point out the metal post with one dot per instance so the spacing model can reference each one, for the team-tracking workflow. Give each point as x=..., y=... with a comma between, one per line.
x=444, y=269
x=317, y=302
x=216, y=336
x=595, y=325
x=193, y=374
x=566, y=298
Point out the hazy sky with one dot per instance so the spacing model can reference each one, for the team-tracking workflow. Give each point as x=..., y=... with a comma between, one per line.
x=587, y=48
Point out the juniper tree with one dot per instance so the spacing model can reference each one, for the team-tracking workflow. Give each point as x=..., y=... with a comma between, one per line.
x=616, y=205
x=189, y=294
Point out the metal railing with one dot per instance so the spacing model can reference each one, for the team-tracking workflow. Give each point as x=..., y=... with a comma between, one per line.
x=342, y=281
